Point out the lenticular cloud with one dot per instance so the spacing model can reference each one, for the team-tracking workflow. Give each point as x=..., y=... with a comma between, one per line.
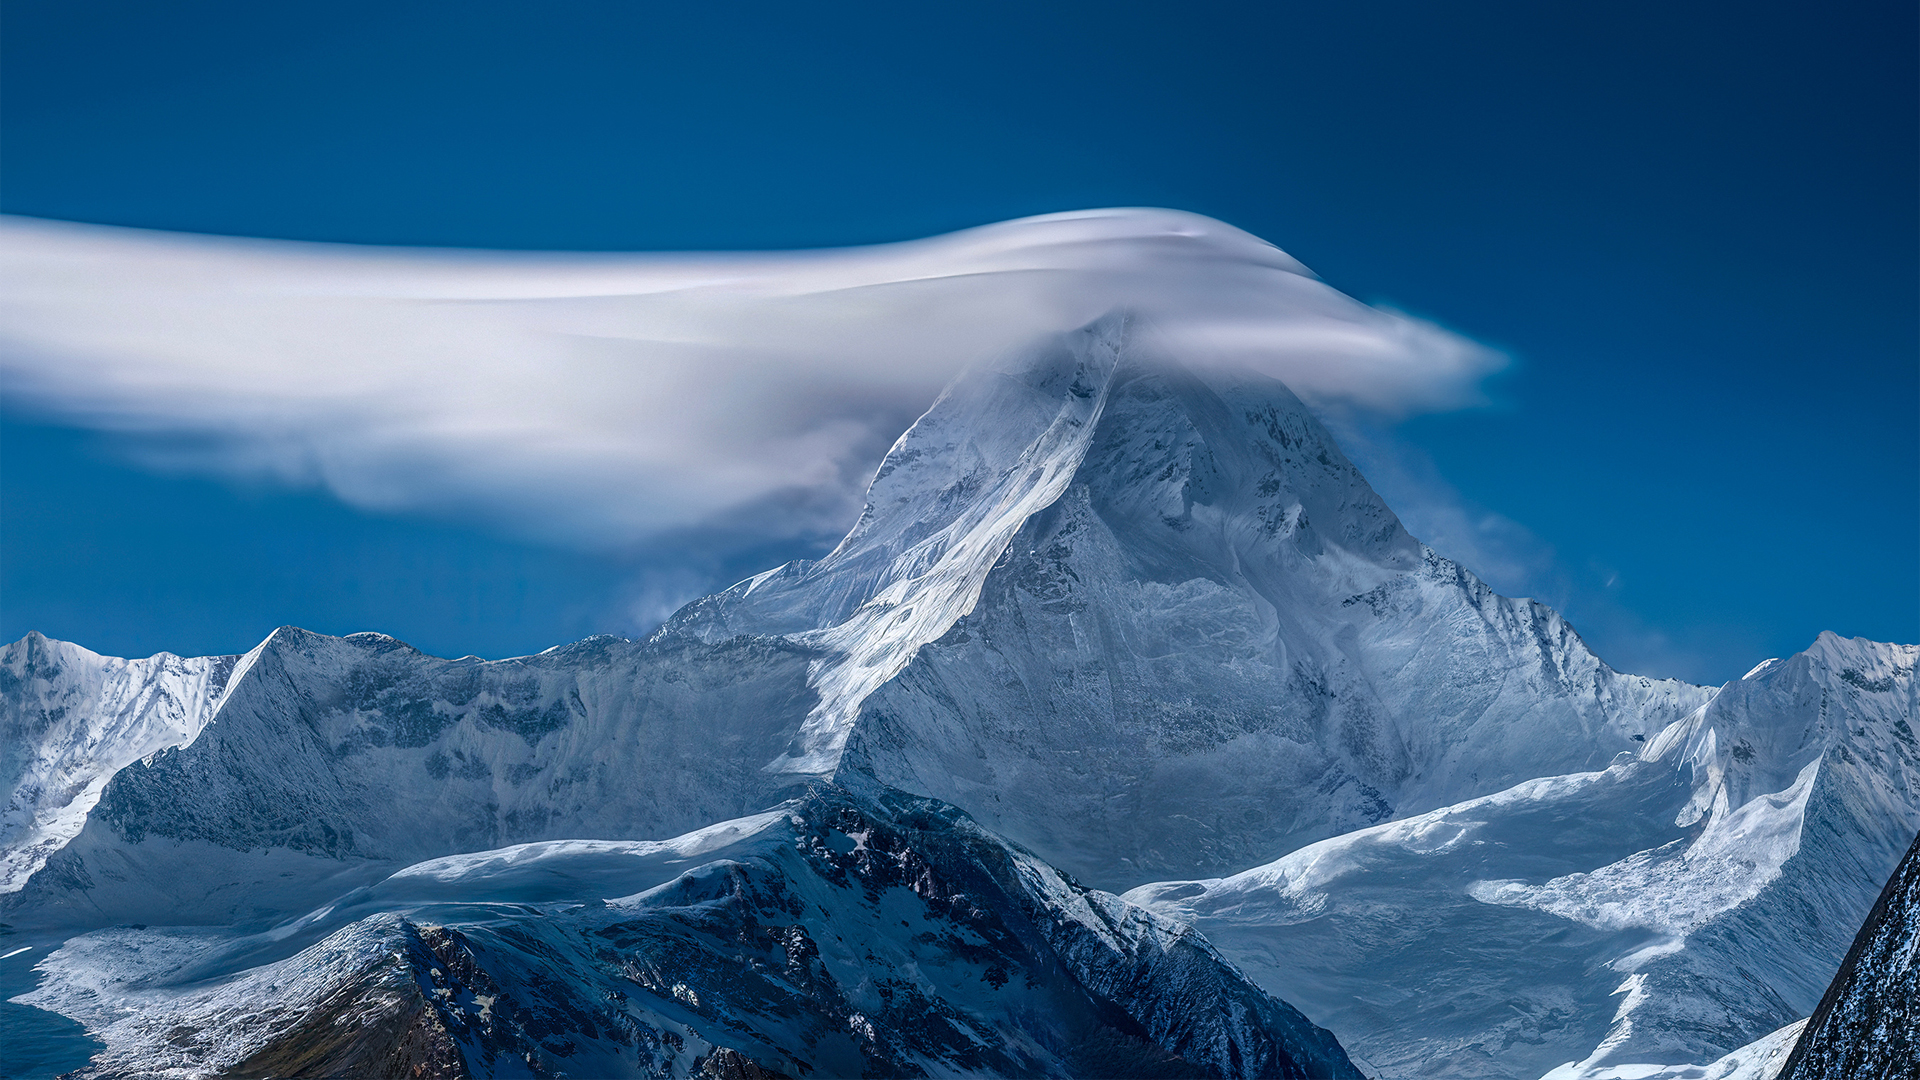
x=597, y=399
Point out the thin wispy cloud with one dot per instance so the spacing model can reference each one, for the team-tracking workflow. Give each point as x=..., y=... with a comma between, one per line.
x=1517, y=561
x=596, y=400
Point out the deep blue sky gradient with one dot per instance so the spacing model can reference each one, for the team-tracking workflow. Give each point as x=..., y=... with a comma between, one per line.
x=1693, y=225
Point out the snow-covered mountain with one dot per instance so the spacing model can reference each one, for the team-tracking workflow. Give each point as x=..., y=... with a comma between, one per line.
x=835, y=935
x=1141, y=618
x=322, y=763
x=1144, y=617
x=72, y=720
x=1680, y=903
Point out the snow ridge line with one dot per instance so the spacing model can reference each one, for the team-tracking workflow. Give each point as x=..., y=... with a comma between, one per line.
x=937, y=581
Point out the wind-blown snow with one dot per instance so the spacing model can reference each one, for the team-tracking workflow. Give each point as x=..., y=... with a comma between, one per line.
x=934, y=582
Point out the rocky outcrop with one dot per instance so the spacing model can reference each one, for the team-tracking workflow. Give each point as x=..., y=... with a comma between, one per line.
x=842, y=935
x=1868, y=1025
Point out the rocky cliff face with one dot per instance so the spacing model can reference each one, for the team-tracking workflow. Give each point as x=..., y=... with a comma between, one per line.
x=1868, y=1023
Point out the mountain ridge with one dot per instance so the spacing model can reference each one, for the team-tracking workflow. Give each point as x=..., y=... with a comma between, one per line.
x=1676, y=906
x=836, y=934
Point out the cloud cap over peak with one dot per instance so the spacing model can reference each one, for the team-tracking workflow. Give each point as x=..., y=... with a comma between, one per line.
x=598, y=399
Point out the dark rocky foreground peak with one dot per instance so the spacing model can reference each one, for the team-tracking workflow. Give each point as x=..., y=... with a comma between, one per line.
x=1868, y=1025
x=839, y=935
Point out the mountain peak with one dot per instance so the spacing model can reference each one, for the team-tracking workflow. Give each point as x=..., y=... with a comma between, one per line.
x=1199, y=473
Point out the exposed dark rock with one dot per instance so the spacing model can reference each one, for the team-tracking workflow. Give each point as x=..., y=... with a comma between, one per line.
x=1868, y=1025
x=868, y=934
x=726, y=1064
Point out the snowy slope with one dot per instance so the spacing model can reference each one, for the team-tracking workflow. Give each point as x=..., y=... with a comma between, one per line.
x=72, y=719
x=1764, y=1058
x=1668, y=909
x=1219, y=644
x=998, y=447
x=836, y=936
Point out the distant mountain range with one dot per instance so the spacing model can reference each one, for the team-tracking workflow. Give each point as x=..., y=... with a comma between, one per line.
x=1110, y=621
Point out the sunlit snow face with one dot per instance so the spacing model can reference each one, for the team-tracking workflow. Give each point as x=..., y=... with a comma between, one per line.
x=599, y=399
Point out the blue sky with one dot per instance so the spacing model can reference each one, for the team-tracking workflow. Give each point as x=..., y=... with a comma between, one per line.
x=1693, y=227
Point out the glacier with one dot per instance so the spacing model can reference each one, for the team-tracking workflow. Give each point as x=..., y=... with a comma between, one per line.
x=1125, y=617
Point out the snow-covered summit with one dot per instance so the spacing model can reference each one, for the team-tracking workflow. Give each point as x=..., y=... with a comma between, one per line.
x=1212, y=641
x=999, y=446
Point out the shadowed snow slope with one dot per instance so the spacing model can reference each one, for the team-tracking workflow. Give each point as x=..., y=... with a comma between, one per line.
x=72, y=719
x=882, y=935
x=333, y=761
x=1668, y=909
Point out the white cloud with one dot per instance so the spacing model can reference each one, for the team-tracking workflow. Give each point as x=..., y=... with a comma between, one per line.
x=596, y=400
